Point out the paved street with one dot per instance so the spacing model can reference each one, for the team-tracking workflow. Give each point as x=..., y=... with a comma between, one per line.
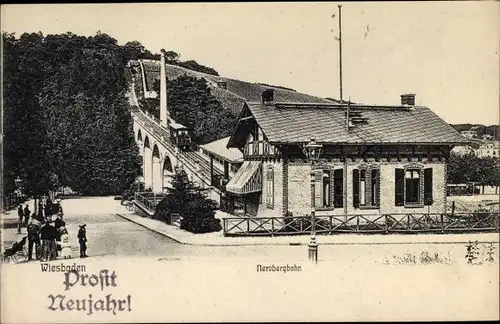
x=111, y=236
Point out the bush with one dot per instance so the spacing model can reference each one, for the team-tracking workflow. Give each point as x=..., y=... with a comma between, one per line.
x=189, y=201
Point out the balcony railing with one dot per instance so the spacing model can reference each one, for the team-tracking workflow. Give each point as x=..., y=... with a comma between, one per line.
x=377, y=224
x=260, y=148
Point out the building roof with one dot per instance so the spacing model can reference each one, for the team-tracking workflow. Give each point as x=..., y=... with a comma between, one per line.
x=219, y=148
x=175, y=125
x=284, y=123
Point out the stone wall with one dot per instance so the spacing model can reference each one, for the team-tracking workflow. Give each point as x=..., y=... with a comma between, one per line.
x=299, y=188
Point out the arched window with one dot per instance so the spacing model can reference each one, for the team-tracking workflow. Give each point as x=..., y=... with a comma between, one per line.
x=270, y=187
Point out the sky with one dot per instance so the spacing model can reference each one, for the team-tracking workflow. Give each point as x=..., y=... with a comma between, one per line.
x=447, y=53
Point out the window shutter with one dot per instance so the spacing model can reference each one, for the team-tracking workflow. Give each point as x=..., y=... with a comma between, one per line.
x=355, y=188
x=318, y=188
x=338, y=188
x=428, y=186
x=376, y=187
x=399, y=187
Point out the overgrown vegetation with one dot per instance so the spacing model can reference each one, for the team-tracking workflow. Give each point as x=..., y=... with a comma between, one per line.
x=477, y=254
x=191, y=203
x=424, y=257
x=66, y=116
x=493, y=130
x=138, y=51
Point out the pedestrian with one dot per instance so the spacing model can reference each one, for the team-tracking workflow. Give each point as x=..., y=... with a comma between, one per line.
x=48, y=209
x=40, y=210
x=26, y=213
x=20, y=215
x=48, y=234
x=65, y=244
x=33, y=238
x=82, y=240
x=59, y=210
x=58, y=223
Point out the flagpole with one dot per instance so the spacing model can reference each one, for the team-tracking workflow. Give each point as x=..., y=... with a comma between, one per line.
x=340, y=50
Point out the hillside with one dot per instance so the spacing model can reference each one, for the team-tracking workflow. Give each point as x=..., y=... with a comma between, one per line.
x=493, y=130
x=237, y=91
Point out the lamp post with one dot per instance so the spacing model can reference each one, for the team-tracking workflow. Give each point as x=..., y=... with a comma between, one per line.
x=312, y=151
x=17, y=183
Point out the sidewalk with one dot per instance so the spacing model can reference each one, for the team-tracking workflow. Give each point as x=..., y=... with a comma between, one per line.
x=217, y=238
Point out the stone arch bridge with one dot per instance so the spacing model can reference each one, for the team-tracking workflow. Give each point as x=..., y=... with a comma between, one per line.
x=161, y=158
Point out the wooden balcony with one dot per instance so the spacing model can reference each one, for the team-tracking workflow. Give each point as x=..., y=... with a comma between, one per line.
x=260, y=148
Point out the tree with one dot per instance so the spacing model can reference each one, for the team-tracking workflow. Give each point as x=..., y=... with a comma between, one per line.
x=133, y=50
x=192, y=104
x=25, y=150
x=195, y=66
x=67, y=121
x=172, y=57
x=190, y=202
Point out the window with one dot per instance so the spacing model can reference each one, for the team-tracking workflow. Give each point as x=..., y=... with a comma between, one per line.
x=366, y=186
x=270, y=187
x=338, y=189
x=412, y=183
x=362, y=188
x=413, y=186
x=322, y=189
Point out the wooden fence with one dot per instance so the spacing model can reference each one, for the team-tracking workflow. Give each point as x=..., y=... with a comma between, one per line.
x=380, y=224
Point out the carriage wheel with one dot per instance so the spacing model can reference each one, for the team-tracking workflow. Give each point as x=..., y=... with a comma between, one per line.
x=21, y=255
x=4, y=259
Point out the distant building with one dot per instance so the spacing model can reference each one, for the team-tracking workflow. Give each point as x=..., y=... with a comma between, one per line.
x=469, y=133
x=383, y=159
x=488, y=148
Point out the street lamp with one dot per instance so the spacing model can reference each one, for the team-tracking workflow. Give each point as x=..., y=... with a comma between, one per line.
x=312, y=151
x=17, y=183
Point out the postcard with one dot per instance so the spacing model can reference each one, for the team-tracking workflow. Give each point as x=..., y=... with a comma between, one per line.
x=228, y=162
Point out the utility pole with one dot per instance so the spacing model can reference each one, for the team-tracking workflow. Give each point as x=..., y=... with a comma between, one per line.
x=340, y=49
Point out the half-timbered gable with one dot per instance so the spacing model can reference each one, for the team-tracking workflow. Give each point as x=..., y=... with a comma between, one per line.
x=374, y=159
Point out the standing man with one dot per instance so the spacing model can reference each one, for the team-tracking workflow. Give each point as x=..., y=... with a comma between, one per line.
x=33, y=238
x=27, y=213
x=48, y=208
x=20, y=217
x=82, y=239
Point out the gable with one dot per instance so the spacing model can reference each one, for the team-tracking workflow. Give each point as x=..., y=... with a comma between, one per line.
x=247, y=128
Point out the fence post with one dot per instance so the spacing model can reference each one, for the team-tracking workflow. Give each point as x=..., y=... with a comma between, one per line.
x=442, y=223
x=272, y=226
x=357, y=223
x=224, y=226
x=386, y=224
x=408, y=222
x=330, y=224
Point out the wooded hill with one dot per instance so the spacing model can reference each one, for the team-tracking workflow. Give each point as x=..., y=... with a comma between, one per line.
x=493, y=130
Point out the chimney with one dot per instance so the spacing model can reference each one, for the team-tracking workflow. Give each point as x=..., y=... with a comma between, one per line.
x=408, y=99
x=268, y=96
x=164, y=115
